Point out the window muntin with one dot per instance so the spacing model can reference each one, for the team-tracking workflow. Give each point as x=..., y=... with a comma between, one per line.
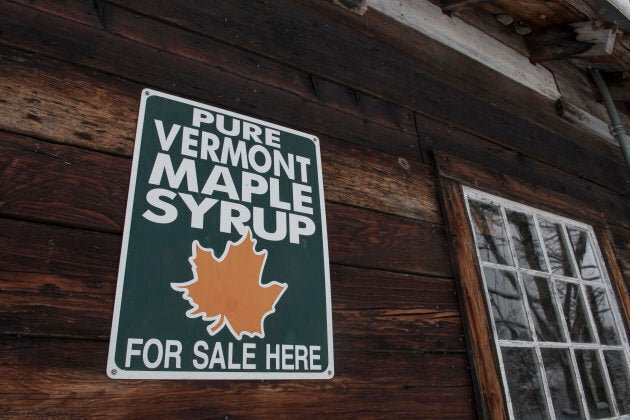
x=563, y=352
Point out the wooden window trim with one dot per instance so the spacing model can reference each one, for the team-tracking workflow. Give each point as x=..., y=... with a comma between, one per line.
x=453, y=174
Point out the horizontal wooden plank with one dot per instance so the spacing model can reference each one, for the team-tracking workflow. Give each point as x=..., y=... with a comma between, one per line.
x=362, y=289
x=386, y=242
x=57, y=281
x=49, y=100
x=51, y=313
x=400, y=330
x=369, y=239
x=88, y=316
x=252, y=66
x=438, y=136
x=439, y=369
x=45, y=305
x=63, y=185
x=473, y=113
x=402, y=312
x=36, y=248
x=66, y=378
x=476, y=176
x=66, y=185
x=374, y=180
x=339, y=50
x=214, y=82
x=353, y=288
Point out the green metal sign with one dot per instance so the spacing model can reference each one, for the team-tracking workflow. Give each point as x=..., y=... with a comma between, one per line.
x=224, y=262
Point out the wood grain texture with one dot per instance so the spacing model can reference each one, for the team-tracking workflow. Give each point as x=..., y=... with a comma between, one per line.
x=67, y=379
x=359, y=289
x=438, y=136
x=476, y=176
x=373, y=180
x=479, y=79
x=56, y=281
x=577, y=161
x=252, y=66
x=389, y=74
x=624, y=263
x=621, y=246
x=368, y=239
x=409, y=246
x=621, y=238
x=81, y=188
x=71, y=74
x=488, y=386
x=63, y=185
x=46, y=99
x=53, y=312
x=621, y=285
x=37, y=248
x=211, y=81
x=400, y=330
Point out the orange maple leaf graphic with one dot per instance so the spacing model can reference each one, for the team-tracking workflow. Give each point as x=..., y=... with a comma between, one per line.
x=228, y=291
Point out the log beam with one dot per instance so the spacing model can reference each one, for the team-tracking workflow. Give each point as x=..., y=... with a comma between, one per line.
x=580, y=39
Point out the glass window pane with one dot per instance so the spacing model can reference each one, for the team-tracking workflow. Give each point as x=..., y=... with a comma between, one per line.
x=556, y=249
x=562, y=353
x=592, y=383
x=620, y=378
x=508, y=310
x=561, y=383
x=602, y=314
x=573, y=311
x=526, y=243
x=524, y=383
x=490, y=233
x=542, y=308
x=584, y=254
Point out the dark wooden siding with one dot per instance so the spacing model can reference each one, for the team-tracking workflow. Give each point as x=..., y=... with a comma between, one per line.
x=71, y=74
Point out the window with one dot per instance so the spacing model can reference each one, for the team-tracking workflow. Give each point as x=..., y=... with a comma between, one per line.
x=561, y=347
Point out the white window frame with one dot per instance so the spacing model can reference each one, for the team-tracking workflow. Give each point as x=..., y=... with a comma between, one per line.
x=605, y=283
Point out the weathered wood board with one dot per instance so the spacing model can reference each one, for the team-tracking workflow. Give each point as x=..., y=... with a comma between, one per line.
x=71, y=74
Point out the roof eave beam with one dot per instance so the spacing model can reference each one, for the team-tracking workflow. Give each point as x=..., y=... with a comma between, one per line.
x=580, y=39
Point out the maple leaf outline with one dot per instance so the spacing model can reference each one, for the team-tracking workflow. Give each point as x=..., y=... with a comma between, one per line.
x=216, y=319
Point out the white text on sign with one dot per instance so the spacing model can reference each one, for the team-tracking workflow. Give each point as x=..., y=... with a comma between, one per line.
x=263, y=173
x=167, y=354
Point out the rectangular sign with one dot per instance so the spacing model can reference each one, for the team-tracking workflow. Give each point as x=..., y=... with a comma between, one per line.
x=224, y=264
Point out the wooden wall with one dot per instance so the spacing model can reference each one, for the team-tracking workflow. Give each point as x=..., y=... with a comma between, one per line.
x=71, y=74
